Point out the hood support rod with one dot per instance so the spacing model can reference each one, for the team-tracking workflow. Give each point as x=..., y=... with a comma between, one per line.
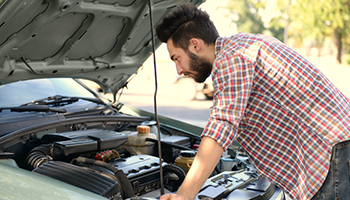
x=155, y=99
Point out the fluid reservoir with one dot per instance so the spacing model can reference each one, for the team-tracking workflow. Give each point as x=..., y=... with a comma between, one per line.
x=185, y=159
x=137, y=143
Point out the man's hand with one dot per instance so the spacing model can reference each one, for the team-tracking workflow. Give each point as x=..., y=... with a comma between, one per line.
x=174, y=197
x=207, y=157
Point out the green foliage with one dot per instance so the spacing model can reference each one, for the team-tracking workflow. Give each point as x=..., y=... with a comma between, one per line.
x=249, y=19
x=347, y=59
x=305, y=19
x=321, y=19
x=276, y=27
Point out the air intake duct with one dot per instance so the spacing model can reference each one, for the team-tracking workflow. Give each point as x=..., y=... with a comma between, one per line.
x=80, y=177
x=38, y=156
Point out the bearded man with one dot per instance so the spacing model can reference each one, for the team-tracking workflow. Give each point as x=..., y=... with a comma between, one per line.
x=291, y=120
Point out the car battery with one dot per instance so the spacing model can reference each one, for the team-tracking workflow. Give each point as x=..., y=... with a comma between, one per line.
x=170, y=153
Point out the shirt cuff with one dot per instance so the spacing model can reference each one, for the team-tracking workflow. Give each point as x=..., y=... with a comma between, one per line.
x=220, y=132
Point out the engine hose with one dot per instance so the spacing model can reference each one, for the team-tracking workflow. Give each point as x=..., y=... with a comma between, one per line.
x=178, y=172
x=218, y=171
x=38, y=156
x=166, y=130
x=127, y=189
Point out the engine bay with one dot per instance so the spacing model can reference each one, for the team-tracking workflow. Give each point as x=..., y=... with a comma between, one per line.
x=116, y=156
x=94, y=160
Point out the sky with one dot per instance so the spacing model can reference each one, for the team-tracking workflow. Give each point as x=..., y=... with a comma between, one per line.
x=217, y=12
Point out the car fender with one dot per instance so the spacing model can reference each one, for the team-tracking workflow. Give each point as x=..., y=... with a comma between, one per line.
x=17, y=183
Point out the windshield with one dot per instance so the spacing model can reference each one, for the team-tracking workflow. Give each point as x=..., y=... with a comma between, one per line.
x=15, y=94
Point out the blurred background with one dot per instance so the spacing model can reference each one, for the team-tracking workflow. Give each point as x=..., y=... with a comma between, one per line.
x=319, y=30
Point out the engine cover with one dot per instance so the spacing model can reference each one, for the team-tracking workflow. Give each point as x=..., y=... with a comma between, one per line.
x=74, y=142
x=239, y=185
x=143, y=171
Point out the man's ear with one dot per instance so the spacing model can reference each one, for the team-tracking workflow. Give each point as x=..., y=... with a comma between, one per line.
x=195, y=44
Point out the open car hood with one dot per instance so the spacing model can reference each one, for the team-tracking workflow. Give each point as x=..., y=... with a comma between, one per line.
x=105, y=41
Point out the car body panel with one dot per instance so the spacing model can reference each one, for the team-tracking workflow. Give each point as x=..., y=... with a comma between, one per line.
x=103, y=41
x=36, y=186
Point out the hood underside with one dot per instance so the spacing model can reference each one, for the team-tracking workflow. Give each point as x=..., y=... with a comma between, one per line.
x=105, y=41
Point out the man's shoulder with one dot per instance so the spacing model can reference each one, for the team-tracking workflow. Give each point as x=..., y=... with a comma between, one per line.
x=227, y=45
x=231, y=45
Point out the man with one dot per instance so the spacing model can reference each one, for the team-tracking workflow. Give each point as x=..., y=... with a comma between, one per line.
x=282, y=110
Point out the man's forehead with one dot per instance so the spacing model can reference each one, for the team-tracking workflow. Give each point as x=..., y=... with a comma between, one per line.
x=174, y=51
x=171, y=49
x=169, y=44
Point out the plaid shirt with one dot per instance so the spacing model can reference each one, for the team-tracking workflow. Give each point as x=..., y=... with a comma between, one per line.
x=282, y=110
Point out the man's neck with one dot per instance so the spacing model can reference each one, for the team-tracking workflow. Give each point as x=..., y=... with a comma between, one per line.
x=208, y=52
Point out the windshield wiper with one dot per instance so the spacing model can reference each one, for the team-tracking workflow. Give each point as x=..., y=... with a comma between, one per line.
x=34, y=108
x=59, y=100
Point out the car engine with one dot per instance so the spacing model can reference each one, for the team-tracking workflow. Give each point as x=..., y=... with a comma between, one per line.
x=91, y=159
x=98, y=161
x=117, y=157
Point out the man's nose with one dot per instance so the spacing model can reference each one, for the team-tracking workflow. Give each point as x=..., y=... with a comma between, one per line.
x=179, y=69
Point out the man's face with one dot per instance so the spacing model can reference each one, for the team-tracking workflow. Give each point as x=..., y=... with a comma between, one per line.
x=189, y=64
x=199, y=65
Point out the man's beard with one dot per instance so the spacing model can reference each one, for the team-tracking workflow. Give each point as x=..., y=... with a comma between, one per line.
x=201, y=66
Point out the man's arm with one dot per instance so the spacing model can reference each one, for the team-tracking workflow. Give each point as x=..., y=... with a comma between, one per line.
x=207, y=157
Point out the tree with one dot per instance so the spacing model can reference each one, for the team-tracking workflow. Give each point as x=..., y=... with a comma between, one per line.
x=305, y=19
x=279, y=22
x=319, y=19
x=248, y=19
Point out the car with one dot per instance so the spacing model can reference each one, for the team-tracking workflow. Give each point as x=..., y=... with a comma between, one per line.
x=61, y=139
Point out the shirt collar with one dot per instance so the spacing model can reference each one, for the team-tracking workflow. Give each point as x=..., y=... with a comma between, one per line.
x=218, y=45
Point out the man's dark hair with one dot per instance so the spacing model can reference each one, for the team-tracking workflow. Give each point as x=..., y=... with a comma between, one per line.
x=185, y=23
